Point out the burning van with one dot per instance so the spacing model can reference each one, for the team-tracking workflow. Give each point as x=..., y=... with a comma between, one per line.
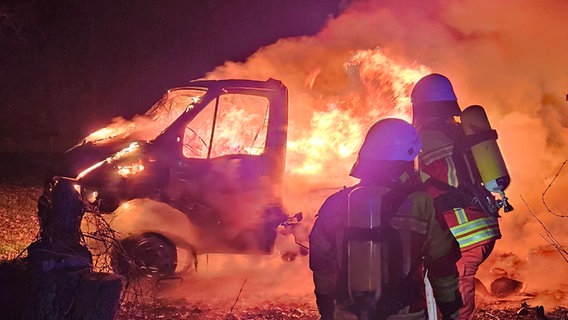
x=200, y=172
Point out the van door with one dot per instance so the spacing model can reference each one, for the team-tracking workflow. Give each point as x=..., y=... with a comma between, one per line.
x=222, y=184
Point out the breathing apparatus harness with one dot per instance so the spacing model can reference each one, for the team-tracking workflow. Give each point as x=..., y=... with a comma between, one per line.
x=470, y=190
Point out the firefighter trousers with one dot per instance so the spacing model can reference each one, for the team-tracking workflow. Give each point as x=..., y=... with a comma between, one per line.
x=467, y=266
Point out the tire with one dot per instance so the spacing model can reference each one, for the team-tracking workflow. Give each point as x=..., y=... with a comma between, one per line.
x=145, y=255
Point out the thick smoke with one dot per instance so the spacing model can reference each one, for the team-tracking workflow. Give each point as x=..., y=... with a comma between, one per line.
x=508, y=56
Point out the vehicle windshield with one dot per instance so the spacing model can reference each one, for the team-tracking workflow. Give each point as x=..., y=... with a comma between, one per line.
x=173, y=104
x=149, y=125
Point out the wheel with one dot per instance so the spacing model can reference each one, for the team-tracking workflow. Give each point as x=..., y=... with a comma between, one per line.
x=147, y=254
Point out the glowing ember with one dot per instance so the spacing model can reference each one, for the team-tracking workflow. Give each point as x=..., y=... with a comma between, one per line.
x=128, y=170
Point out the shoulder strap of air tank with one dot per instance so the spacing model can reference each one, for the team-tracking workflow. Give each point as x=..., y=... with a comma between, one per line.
x=395, y=197
x=399, y=291
x=465, y=169
x=391, y=201
x=463, y=160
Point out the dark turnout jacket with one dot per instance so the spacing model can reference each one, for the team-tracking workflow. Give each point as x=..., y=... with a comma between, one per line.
x=429, y=243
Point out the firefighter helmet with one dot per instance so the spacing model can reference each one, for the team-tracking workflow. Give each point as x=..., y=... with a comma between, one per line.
x=434, y=96
x=389, y=139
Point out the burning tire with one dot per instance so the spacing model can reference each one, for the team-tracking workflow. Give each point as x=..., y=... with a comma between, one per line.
x=145, y=255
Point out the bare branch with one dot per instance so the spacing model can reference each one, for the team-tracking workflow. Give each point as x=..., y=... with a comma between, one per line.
x=563, y=214
x=138, y=292
x=549, y=237
x=238, y=295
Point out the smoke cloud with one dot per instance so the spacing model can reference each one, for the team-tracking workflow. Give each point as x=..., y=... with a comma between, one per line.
x=508, y=56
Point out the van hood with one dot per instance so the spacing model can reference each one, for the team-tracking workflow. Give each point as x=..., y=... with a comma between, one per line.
x=82, y=156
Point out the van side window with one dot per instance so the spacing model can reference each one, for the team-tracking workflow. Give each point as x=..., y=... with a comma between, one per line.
x=240, y=127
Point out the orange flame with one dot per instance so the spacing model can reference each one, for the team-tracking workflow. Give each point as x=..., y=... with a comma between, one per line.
x=381, y=87
x=336, y=95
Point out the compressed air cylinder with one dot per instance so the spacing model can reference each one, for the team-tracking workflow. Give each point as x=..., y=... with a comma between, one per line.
x=364, y=254
x=486, y=153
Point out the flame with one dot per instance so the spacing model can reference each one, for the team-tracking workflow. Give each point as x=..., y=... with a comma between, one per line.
x=335, y=134
x=120, y=154
x=325, y=133
x=388, y=79
x=128, y=170
x=122, y=170
x=362, y=65
x=154, y=121
x=327, y=140
x=360, y=68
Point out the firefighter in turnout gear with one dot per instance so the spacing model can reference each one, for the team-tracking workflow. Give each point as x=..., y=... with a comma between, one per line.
x=449, y=172
x=372, y=242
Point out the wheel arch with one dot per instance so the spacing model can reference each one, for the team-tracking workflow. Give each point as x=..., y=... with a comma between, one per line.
x=141, y=217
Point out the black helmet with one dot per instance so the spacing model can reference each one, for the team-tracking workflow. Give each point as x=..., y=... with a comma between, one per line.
x=433, y=96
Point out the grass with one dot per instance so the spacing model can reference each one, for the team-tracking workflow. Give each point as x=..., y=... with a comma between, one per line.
x=20, y=187
x=18, y=218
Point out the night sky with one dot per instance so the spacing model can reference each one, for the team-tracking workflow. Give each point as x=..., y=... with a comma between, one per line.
x=70, y=66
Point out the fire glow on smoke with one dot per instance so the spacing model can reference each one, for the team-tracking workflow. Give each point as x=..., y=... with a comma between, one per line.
x=508, y=56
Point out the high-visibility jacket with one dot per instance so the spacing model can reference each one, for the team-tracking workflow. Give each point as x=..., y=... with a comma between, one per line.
x=431, y=243
x=439, y=163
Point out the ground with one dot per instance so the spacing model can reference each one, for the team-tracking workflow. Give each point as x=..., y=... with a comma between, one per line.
x=224, y=288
